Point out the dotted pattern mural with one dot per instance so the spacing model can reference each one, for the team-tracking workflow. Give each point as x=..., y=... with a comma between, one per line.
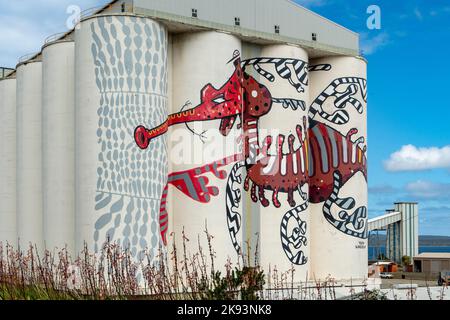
x=130, y=56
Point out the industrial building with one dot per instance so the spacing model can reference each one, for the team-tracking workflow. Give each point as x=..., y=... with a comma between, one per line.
x=432, y=263
x=402, y=229
x=121, y=129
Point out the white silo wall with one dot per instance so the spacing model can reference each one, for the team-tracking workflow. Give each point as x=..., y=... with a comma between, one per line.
x=29, y=154
x=120, y=84
x=58, y=157
x=338, y=168
x=251, y=211
x=170, y=66
x=8, y=226
x=200, y=60
x=284, y=230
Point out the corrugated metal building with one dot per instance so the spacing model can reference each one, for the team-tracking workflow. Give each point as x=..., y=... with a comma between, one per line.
x=432, y=263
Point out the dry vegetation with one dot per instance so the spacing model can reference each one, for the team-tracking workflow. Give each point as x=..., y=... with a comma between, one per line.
x=172, y=274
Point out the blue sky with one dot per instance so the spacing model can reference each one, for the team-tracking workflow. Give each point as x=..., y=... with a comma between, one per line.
x=408, y=77
x=408, y=107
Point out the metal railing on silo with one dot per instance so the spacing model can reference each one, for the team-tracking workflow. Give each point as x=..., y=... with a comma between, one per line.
x=99, y=9
x=28, y=57
x=4, y=72
x=59, y=36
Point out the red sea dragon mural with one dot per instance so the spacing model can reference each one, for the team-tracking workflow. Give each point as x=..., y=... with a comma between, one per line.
x=330, y=158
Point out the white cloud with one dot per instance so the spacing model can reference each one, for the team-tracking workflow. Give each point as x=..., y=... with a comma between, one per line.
x=428, y=190
x=441, y=10
x=411, y=158
x=418, y=14
x=370, y=45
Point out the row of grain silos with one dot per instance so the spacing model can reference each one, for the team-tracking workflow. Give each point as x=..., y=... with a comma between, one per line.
x=199, y=74
x=210, y=104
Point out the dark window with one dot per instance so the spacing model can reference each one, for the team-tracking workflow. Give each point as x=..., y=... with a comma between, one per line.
x=277, y=29
x=314, y=36
x=194, y=13
x=237, y=21
x=123, y=7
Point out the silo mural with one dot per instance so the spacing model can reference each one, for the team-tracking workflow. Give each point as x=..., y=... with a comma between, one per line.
x=58, y=139
x=338, y=167
x=147, y=136
x=8, y=225
x=276, y=139
x=121, y=82
x=29, y=154
x=247, y=101
x=206, y=101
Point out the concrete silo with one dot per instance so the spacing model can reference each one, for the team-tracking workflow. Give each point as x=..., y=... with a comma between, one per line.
x=408, y=235
x=120, y=84
x=338, y=168
x=8, y=226
x=29, y=153
x=203, y=141
x=277, y=170
x=58, y=157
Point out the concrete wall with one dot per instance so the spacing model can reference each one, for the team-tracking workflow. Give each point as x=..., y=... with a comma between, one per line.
x=194, y=68
x=58, y=139
x=29, y=154
x=251, y=211
x=338, y=168
x=284, y=214
x=120, y=83
x=8, y=225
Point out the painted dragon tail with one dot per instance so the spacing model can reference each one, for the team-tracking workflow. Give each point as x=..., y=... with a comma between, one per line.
x=233, y=198
x=357, y=220
x=294, y=241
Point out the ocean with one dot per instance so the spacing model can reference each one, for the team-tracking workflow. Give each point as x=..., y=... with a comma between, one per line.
x=375, y=251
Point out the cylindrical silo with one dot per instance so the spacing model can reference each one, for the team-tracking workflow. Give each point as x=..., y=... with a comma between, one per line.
x=8, y=226
x=204, y=150
x=29, y=153
x=338, y=168
x=58, y=139
x=120, y=85
x=277, y=171
x=251, y=211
